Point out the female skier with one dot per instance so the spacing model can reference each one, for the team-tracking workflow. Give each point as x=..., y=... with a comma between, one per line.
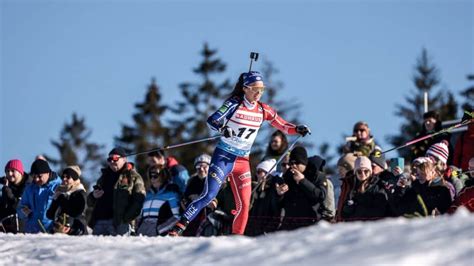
x=238, y=120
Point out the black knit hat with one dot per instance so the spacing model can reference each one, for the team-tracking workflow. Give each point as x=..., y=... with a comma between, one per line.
x=118, y=151
x=299, y=155
x=378, y=159
x=40, y=167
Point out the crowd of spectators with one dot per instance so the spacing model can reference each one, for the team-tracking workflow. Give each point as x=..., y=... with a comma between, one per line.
x=295, y=193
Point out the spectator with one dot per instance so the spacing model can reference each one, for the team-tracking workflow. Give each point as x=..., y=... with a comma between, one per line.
x=277, y=146
x=464, y=149
x=439, y=153
x=380, y=169
x=69, y=204
x=368, y=199
x=428, y=194
x=117, y=198
x=431, y=124
x=465, y=198
x=345, y=168
x=179, y=174
x=265, y=211
x=37, y=198
x=455, y=177
x=193, y=189
x=14, y=184
x=303, y=191
x=361, y=143
x=161, y=208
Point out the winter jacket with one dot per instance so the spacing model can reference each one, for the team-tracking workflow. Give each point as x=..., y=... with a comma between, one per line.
x=179, y=174
x=347, y=186
x=70, y=205
x=464, y=149
x=421, y=199
x=360, y=148
x=38, y=199
x=465, y=198
x=302, y=201
x=265, y=210
x=158, y=208
x=124, y=194
x=371, y=204
x=9, y=200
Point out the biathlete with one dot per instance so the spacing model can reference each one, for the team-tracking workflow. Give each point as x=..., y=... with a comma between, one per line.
x=238, y=120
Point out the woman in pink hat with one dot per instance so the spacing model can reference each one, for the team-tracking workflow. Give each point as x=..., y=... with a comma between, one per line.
x=13, y=186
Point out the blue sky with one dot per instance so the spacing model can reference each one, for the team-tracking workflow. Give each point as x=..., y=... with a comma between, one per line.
x=344, y=61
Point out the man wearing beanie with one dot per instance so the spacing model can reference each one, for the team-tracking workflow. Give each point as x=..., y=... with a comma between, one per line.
x=69, y=204
x=302, y=192
x=431, y=123
x=118, y=196
x=37, y=198
x=13, y=187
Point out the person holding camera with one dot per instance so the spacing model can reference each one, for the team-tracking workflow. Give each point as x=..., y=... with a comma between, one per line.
x=69, y=204
x=302, y=190
x=117, y=198
x=13, y=186
x=427, y=195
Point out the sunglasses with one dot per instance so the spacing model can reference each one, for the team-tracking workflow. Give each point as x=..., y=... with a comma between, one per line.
x=362, y=171
x=256, y=89
x=114, y=158
x=154, y=175
x=360, y=130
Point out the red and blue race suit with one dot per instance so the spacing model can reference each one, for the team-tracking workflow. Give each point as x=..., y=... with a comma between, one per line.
x=231, y=156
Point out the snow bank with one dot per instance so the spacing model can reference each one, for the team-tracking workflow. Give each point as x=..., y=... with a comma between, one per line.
x=430, y=241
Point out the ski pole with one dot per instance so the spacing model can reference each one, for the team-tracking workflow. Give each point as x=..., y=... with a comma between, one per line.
x=289, y=149
x=175, y=145
x=42, y=226
x=463, y=123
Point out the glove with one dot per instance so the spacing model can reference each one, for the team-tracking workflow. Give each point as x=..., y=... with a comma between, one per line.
x=227, y=132
x=303, y=130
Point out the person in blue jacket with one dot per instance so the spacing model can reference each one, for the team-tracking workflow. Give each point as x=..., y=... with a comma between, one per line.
x=37, y=198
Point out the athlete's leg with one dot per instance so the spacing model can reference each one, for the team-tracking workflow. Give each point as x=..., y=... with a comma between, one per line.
x=240, y=181
x=222, y=164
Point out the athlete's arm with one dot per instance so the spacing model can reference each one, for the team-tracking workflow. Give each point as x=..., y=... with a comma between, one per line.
x=217, y=120
x=277, y=122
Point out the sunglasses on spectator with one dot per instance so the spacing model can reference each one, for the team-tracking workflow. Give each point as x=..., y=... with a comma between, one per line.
x=363, y=171
x=154, y=175
x=360, y=130
x=114, y=158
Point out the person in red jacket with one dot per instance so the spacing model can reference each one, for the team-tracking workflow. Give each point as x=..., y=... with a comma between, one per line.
x=466, y=196
x=464, y=149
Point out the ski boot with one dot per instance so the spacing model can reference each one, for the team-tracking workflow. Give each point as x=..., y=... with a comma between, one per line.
x=178, y=228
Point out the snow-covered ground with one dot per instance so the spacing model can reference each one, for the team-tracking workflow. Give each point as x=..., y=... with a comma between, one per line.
x=430, y=241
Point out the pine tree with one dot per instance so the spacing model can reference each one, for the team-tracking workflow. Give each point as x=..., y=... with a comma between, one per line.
x=199, y=101
x=148, y=131
x=74, y=148
x=426, y=78
x=468, y=94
